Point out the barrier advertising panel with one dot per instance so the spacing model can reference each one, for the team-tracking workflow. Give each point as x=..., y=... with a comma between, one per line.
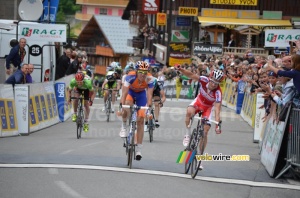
x=22, y=108
x=259, y=113
x=9, y=125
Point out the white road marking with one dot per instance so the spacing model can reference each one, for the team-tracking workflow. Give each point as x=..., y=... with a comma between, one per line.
x=153, y=172
x=87, y=145
x=67, y=189
x=91, y=144
x=66, y=152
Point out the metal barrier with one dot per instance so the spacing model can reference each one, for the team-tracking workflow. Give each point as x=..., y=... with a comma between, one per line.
x=293, y=151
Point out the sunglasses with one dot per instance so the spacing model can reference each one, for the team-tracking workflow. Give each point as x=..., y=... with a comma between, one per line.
x=214, y=82
x=142, y=72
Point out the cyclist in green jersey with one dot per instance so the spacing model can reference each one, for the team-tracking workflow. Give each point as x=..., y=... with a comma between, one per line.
x=82, y=84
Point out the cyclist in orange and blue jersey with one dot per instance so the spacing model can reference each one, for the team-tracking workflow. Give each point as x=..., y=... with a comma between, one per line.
x=135, y=86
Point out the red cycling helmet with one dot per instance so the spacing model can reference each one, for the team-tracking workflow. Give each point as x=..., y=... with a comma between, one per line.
x=79, y=76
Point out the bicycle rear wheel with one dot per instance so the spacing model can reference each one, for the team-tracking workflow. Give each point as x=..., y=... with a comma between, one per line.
x=190, y=148
x=150, y=129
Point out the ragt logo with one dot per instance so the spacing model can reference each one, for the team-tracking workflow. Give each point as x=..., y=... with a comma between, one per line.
x=150, y=6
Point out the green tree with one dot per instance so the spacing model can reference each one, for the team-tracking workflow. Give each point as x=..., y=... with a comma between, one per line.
x=66, y=7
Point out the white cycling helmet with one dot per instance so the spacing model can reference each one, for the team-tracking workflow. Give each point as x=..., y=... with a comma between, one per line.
x=217, y=74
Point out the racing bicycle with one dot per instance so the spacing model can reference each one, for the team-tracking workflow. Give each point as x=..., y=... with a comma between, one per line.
x=129, y=141
x=151, y=122
x=80, y=114
x=108, y=109
x=197, y=135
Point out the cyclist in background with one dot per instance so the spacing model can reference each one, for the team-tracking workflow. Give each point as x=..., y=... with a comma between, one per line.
x=158, y=95
x=111, y=82
x=134, y=88
x=209, y=96
x=82, y=83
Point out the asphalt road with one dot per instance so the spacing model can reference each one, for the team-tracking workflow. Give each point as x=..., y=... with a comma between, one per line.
x=54, y=163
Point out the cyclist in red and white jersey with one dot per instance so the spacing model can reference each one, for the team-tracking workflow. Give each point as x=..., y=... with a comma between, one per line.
x=209, y=96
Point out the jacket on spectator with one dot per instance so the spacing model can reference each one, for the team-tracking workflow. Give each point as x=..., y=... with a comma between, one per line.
x=14, y=57
x=63, y=64
x=73, y=67
x=16, y=78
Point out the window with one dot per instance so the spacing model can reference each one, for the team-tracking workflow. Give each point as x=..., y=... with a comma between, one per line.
x=103, y=11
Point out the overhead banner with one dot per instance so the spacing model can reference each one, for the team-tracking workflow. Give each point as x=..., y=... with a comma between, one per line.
x=201, y=48
x=150, y=6
x=49, y=32
x=235, y=2
x=280, y=38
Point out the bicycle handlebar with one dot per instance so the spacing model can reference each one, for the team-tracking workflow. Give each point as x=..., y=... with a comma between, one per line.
x=213, y=121
x=128, y=106
x=112, y=89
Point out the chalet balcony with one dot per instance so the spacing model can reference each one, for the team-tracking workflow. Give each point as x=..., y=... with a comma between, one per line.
x=119, y=3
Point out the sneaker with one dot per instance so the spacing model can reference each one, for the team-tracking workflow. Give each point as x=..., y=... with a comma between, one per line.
x=112, y=109
x=186, y=140
x=85, y=127
x=156, y=124
x=138, y=153
x=103, y=109
x=123, y=133
x=74, y=117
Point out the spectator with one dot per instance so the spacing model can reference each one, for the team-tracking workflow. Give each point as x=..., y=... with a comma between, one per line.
x=206, y=38
x=63, y=64
x=19, y=77
x=294, y=73
x=231, y=43
x=75, y=65
x=15, y=57
x=28, y=75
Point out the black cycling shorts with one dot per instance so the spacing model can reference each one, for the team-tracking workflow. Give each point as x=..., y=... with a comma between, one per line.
x=85, y=93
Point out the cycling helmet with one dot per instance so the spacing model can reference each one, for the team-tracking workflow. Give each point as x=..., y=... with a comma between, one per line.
x=114, y=64
x=118, y=71
x=142, y=65
x=217, y=74
x=129, y=67
x=79, y=76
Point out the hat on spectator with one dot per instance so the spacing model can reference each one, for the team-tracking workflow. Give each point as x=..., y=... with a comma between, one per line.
x=271, y=73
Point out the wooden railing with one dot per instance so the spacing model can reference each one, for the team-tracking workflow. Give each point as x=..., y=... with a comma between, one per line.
x=242, y=51
x=83, y=17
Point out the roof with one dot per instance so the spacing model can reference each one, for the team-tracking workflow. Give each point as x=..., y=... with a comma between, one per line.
x=117, y=32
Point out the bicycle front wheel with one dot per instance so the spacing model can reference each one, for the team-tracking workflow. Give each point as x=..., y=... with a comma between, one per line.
x=190, y=148
x=108, y=106
x=196, y=164
x=79, y=124
x=132, y=145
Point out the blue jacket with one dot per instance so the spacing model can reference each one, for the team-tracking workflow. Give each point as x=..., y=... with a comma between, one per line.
x=16, y=78
x=14, y=57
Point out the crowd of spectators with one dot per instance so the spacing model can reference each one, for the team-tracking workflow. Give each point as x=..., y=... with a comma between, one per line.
x=277, y=78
